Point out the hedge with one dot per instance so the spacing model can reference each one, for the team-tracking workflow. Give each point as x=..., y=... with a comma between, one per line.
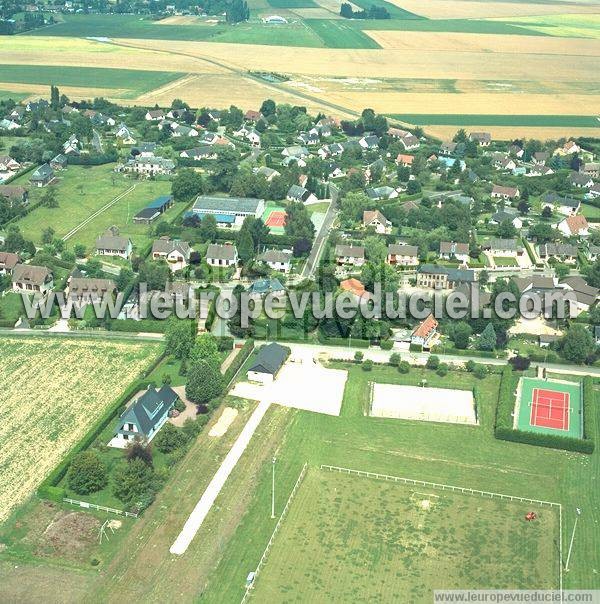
x=49, y=488
x=484, y=354
x=240, y=359
x=346, y=342
x=504, y=430
x=133, y=326
x=92, y=160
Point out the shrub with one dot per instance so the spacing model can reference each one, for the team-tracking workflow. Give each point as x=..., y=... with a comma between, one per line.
x=520, y=363
x=470, y=366
x=136, y=450
x=179, y=405
x=358, y=356
x=480, y=371
x=169, y=438
x=433, y=362
x=166, y=379
x=205, y=382
x=387, y=344
x=442, y=369
x=404, y=367
x=87, y=474
x=134, y=483
x=394, y=359
x=367, y=365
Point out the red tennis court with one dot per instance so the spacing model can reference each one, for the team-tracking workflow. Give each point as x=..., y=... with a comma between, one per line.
x=550, y=409
x=276, y=219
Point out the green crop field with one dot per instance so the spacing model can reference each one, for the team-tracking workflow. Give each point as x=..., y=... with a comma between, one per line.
x=451, y=454
x=350, y=538
x=93, y=77
x=290, y=34
x=340, y=34
x=77, y=202
x=124, y=26
x=443, y=119
x=7, y=95
x=395, y=11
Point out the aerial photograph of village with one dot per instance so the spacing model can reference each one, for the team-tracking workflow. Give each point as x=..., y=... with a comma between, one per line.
x=299, y=301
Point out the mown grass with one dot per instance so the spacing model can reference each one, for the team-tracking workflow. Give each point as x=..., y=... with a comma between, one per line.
x=349, y=538
x=290, y=34
x=340, y=34
x=293, y=3
x=88, y=77
x=474, y=119
x=452, y=454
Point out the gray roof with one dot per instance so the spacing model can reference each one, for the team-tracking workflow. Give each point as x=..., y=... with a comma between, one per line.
x=454, y=275
x=557, y=249
x=266, y=286
x=536, y=282
x=270, y=358
x=450, y=247
x=502, y=244
x=555, y=198
x=298, y=192
x=221, y=252
x=85, y=285
x=112, y=241
x=397, y=249
x=243, y=205
x=44, y=172
x=350, y=251
x=586, y=294
x=148, y=410
x=275, y=256
x=8, y=260
x=27, y=273
x=164, y=245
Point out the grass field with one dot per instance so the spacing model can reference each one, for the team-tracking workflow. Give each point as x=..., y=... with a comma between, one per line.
x=349, y=538
x=77, y=202
x=340, y=34
x=289, y=35
x=133, y=80
x=68, y=383
x=6, y=95
x=564, y=26
x=293, y=3
x=505, y=261
x=576, y=121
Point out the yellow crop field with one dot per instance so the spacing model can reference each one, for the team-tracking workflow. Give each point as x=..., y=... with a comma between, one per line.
x=51, y=391
x=473, y=9
x=569, y=25
x=507, y=133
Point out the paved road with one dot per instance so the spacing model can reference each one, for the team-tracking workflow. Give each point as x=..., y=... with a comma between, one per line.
x=97, y=141
x=204, y=505
x=321, y=238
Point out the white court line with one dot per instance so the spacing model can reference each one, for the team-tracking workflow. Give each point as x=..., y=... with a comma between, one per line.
x=199, y=513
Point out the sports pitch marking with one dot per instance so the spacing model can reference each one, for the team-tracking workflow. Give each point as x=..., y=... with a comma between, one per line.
x=550, y=409
x=276, y=219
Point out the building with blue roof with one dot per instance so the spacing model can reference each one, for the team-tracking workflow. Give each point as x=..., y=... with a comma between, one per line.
x=229, y=212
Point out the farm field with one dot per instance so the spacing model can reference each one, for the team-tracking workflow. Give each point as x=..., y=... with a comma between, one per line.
x=133, y=81
x=348, y=537
x=77, y=203
x=564, y=25
x=566, y=121
x=69, y=383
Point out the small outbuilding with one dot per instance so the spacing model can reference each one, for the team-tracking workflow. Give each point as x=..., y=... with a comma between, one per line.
x=269, y=360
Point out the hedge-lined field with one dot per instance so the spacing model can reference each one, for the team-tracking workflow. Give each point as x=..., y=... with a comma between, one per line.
x=51, y=392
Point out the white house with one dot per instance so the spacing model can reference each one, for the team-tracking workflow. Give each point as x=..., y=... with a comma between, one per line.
x=450, y=249
x=176, y=253
x=112, y=244
x=350, y=254
x=574, y=226
x=277, y=260
x=399, y=254
x=32, y=279
x=219, y=255
x=425, y=333
x=375, y=219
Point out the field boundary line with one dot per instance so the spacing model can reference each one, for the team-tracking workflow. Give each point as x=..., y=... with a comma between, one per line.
x=467, y=491
x=275, y=531
x=97, y=213
x=102, y=508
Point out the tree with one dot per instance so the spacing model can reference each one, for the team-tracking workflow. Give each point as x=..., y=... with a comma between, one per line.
x=137, y=450
x=404, y=367
x=592, y=273
x=208, y=228
x=487, y=339
x=433, y=362
x=87, y=474
x=461, y=332
x=134, y=482
x=298, y=223
x=54, y=98
x=124, y=279
x=542, y=232
x=547, y=212
x=245, y=245
x=79, y=250
x=268, y=107
x=394, y=359
x=206, y=349
x=413, y=187
x=47, y=235
x=155, y=273
x=50, y=198
x=506, y=229
x=480, y=371
x=186, y=185
x=358, y=356
x=169, y=438
x=523, y=206
x=375, y=248
x=577, y=344
x=205, y=382
x=179, y=338
x=520, y=363
x=484, y=278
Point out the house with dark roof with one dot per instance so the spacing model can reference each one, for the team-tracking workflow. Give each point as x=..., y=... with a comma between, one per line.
x=442, y=277
x=14, y=194
x=268, y=362
x=300, y=194
x=483, y=139
x=562, y=204
x=585, y=295
x=564, y=252
x=451, y=249
x=399, y=254
x=144, y=417
x=112, y=244
x=8, y=261
x=42, y=176
x=263, y=287
x=581, y=181
x=85, y=289
x=350, y=254
x=277, y=260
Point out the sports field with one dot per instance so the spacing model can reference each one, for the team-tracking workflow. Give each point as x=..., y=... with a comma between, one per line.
x=274, y=217
x=549, y=407
x=350, y=538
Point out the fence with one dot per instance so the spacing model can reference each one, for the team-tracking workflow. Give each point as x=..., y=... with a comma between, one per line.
x=275, y=531
x=93, y=506
x=468, y=491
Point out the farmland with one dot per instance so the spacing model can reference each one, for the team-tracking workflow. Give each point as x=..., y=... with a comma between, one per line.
x=77, y=203
x=52, y=391
x=549, y=121
x=389, y=542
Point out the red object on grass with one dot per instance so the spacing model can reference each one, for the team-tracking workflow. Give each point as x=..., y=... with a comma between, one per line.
x=550, y=409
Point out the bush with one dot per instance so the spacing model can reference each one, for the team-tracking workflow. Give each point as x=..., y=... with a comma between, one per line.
x=240, y=359
x=520, y=363
x=136, y=450
x=433, y=362
x=367, y=365
x=442, y=370
x=387, y=344
x=134, y=483
x=169, y=438
x=87, y=474
x=205, y=382
x=358, y=356
x=404, y=367
x=470, y=366
x=394, y=359
x=480, y=371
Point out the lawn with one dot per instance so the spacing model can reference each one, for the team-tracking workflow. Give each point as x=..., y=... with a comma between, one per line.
x=452, y=454
x=505, y=261
x=78, y=201
x=11, y=307
x=541, y=121
x=136, y=81
x=590, y=212
x=350, y=538
x=69, y=383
